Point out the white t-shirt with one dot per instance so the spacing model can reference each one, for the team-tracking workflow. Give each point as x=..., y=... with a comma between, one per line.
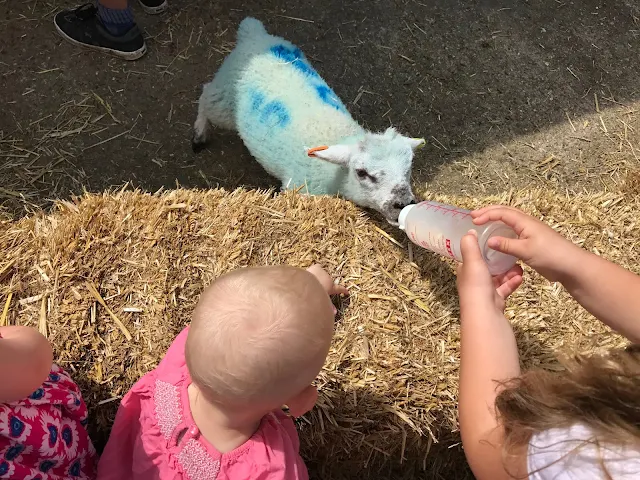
x=571, y=454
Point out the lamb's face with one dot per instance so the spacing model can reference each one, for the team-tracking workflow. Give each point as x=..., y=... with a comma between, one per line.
x=379, y=169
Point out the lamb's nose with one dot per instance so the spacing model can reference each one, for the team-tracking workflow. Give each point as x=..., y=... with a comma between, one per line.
x=400, y=206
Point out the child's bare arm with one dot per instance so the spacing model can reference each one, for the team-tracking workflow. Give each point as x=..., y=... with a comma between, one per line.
x=606, y=290
x=488, y=356
x=25, y=362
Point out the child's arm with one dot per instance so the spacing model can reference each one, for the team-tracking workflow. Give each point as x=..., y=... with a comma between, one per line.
x=606, y=290
x=327, y=282
x=25, y=362
x=488, y=356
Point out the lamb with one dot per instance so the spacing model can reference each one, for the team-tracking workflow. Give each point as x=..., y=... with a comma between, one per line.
x=269, y=93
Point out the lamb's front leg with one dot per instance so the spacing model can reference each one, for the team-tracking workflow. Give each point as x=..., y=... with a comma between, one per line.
x=302, y=190
x=286, y=185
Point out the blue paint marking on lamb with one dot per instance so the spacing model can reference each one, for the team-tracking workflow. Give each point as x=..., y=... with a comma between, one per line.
x=297, y=60
x=257, y=100
x=273, y=113
x=329, y=97
x=295, y=57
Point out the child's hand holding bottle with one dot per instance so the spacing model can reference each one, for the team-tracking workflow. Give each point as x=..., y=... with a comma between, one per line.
x=608, y=291
x=537, y=245
x=479, y=290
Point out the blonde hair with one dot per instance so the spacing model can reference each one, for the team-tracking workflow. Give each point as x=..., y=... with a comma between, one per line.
x=601, y=392
x=259, y=336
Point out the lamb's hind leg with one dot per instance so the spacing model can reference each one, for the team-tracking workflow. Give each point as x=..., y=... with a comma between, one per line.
x=201, y=130
x=215, y=108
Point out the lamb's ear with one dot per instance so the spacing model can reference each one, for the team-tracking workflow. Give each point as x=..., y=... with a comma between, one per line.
x=336, y=154
x=416, y=143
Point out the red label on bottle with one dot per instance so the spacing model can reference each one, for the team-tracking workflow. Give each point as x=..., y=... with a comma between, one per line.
x=448, y=243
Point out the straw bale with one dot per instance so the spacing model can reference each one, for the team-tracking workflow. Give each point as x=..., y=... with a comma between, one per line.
x=632, y=183
x=113, y=277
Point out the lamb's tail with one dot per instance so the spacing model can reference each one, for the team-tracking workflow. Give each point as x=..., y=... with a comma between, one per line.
x=250, y=27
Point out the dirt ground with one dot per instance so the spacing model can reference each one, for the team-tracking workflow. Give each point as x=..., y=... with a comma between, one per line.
x=505, y=95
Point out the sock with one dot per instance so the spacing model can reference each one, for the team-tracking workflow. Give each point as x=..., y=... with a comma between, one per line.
x=116, y=21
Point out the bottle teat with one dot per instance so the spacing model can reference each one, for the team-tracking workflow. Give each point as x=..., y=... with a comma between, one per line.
x=403, y=215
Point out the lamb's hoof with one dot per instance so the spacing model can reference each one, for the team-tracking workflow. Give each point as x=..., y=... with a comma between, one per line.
x=197, y=144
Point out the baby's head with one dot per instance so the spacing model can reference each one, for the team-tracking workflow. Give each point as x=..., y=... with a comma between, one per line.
x=259, y=337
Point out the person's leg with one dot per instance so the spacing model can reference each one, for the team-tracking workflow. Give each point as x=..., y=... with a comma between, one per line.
x=152, y=7
x=115, y=4
x=116, y=16
x=107, y=26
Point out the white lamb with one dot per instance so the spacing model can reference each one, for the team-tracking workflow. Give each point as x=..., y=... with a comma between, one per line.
x=268, y=92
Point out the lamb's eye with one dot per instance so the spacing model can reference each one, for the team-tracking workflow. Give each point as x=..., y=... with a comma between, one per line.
x=362, y=174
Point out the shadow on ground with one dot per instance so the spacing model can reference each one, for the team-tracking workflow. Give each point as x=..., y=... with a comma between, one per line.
x=373, y=444
x=401, y=454
x=466, y=75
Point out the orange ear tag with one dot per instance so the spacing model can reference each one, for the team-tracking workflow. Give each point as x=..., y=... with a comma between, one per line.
x=316, y=149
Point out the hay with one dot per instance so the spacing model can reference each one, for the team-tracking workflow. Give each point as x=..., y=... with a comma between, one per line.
x=631, y=185
x=113, y=278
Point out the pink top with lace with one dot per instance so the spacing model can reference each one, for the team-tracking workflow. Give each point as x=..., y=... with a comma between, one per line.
x=155, y=437
x=43, y=436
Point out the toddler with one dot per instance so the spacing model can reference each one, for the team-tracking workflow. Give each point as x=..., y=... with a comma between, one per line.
x=212, y=409
x=582, y=424
x=42, y=414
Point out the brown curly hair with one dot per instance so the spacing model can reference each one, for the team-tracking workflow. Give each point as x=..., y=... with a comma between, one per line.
x=601, y=392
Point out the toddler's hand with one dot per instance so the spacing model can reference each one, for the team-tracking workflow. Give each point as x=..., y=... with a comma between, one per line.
x=537, y=245
x=326, y=281
x=478, y=290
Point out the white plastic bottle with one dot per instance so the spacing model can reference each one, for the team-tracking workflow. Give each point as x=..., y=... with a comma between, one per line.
x=440, y=228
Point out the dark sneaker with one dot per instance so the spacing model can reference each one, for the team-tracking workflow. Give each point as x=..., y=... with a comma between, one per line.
x=154, y=6
x=83, y=27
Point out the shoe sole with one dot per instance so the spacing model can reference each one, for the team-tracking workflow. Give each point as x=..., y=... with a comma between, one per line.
x=130, y=56
x=154, y=10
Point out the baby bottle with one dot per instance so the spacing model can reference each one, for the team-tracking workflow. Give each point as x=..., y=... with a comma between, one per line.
x=439, y=228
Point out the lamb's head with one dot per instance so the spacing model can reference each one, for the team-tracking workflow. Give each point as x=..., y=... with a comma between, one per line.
x=379, y=170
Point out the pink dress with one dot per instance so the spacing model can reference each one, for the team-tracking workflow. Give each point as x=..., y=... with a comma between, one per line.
x=155, y=437
x=44, y=437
